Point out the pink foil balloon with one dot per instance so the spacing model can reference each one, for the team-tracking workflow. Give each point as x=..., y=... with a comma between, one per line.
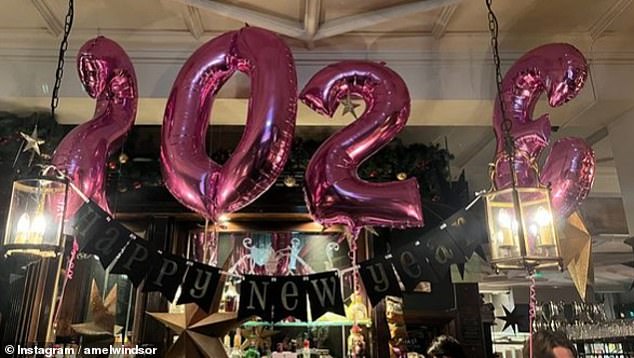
x=569, y=171
x=191, y=176
x=107, y=75
x=557, y=69
x=334, y=192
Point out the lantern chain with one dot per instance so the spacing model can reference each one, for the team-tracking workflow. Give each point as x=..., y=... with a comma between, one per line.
x=59, y=73
x=506, y=122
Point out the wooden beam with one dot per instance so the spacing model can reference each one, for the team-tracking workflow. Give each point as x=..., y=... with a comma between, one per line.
x=475, y=150
x=54, y=25
x=312, y=16
x=607, y=18
x=193, y=21
x=440, y=25
x=597, y=136
x=355, y=22
x=256, y=18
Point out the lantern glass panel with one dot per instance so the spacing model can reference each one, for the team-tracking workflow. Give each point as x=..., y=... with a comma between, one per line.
x=521, y=229
x=36, y=216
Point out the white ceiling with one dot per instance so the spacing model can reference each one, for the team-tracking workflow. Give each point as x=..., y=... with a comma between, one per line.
x=440, y=47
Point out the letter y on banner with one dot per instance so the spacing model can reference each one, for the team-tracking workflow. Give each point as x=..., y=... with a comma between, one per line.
x=379, y=279
x=199, y=287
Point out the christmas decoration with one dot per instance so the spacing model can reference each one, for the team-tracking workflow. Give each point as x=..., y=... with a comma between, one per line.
x=199, y=333
x=512, y=318
x=102, y=313
x=259, y=337
x=33, y=142
x=576, y=250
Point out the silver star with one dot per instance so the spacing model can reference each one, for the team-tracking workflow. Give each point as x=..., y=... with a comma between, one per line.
x=32, y=142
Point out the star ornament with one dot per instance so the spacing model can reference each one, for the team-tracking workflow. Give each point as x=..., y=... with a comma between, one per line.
x=349, y=106
x=102, y=313
x=260, y=336
x=33, y=142
x=199, y=333
x=512, y=319
x=576, y=250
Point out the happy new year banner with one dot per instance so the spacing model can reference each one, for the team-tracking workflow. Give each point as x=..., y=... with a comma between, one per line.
x=417, y=256
x=426, y=256
x=268, y=297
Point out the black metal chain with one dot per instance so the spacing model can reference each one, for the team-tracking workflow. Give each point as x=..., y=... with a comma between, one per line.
x=506, y=122
x=63, y=46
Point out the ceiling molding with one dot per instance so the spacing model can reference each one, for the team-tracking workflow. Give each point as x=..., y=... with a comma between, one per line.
x=174, y=46
x=354, y=22
x=54, y=25
x=440, y=25
x=274, y=23
x=606, y=19
x=193, y=21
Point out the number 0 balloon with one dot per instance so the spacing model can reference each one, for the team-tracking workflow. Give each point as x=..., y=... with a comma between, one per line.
x=191, y=176
x=334, y=191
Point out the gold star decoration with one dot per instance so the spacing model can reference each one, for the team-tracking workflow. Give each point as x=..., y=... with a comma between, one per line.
x=102, y=313
x=33, y=142
x=576, y=250
x=260, y=336
x=349, y=106
x=199, y=333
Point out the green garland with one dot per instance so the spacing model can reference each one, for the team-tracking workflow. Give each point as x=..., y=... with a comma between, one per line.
x=429, y=164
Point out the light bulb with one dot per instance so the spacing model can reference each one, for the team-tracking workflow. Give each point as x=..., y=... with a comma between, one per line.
x=223, y=218
x=505, y=220
x=231, y=292
x=23, y=224
x=533, y=229
x=542, y=217
x=39, y=225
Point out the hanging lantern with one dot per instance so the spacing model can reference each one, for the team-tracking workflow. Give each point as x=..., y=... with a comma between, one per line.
x=522, y=232
x=36, y=217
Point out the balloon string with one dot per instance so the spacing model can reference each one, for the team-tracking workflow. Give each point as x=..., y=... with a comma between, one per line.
x=70, y=271
x=205, y=242
x=531, y=311
x=354, y=235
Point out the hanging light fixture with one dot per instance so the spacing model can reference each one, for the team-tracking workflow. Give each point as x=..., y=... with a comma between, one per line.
x=522, y=232
x=36, y=216
x=38, y=204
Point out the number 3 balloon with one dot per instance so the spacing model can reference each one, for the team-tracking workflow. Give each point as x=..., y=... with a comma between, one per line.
x=107, y=74
x=559, y=70
x=191, y=176
x=334, y=191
